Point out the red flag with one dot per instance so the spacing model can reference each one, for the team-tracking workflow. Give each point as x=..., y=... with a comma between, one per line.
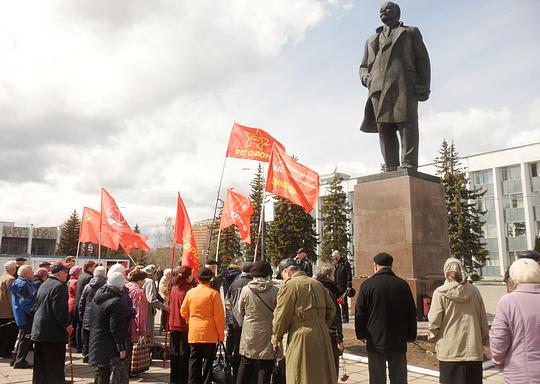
x=183, y=234
x=130, y=240
x=237, y=210
x=251, y=143
x=112, y=219
x=89, y=232
x=292, y=180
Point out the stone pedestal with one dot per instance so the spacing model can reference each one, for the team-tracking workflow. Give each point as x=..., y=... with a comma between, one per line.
x=402, y=213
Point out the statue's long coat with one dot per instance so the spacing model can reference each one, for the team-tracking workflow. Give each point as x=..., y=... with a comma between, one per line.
x=394, y=76
x=304, y=310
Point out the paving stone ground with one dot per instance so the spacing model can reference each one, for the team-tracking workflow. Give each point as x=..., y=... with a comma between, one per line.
x=83, y=373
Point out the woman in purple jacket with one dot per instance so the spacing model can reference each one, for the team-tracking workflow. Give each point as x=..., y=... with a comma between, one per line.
x=515, y=333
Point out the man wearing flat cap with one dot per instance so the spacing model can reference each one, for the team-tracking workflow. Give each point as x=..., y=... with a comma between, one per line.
x=303, y=263
x=385, y=319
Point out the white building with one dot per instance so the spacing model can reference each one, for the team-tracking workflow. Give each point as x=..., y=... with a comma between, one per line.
x=511, y=178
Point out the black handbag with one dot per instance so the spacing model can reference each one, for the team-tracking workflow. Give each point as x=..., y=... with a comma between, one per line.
x=222, y=368
x=278, y=371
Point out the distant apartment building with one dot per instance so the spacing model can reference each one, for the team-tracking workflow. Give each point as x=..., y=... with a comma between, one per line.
x=511, y=179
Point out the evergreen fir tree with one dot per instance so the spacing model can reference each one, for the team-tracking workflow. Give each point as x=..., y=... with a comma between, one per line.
x=139, y=255
x=69, y=236
x=256, y=195
x=335, y=211
x=229, y=242
x=463, y=208
x=291, y=229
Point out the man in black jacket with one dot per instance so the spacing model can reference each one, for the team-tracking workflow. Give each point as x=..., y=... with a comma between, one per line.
x=343, y=279
x=108, y=324
x=51, y=327
x=234, y=331
x=303, y=263
x=82, y=281
x=386, y=318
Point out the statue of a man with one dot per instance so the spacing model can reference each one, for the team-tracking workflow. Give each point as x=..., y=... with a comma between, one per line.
x=396, y=71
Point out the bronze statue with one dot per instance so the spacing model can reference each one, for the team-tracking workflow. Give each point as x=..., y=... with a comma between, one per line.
x=396, y=71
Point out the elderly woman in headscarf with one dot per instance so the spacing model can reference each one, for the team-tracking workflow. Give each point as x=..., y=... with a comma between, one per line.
x=458, y=323
x=515, y=333
x=164, y=286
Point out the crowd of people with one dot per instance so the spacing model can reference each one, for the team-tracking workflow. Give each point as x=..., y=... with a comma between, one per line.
x=109, y=315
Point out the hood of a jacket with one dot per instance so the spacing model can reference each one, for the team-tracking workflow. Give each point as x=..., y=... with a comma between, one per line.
x=231, y=273
x=460, y=293
x=97, y=282
x=18, y=284
x=105, y=293
x=331, y=286
x=260, y=284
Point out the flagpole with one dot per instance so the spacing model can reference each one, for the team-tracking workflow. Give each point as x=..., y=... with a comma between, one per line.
x=217, y=247
x=170, y=283
x=100, y=224
x=261, y=221
x=216, y=206
x=77, y=255
x=131, y=258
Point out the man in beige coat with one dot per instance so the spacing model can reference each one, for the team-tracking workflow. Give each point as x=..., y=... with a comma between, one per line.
x=8, y=328
x=458, y=323
x=304, y=311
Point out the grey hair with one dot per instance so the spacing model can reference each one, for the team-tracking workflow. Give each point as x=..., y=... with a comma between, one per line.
x=10, y=265
x=100, y=271
x=324, y=271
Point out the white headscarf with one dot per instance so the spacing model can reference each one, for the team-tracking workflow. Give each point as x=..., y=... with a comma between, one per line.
x=455, y=265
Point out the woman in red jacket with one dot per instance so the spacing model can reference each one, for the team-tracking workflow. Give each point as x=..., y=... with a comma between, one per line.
x=179, y=328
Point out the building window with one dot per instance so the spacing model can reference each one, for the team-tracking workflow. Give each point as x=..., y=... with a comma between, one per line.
x=534, y=169
x=514, y=200
x=516, y=229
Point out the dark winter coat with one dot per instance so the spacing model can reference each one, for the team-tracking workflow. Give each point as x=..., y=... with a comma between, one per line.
x=343, y=276
x=233, y=295
x=107, y=326
x=229, y=276
x=336, y=328
x=37, y=281
x=88, y=293
x=23, y=294
x=51, y=314
x=83, y=280
x=385, y=313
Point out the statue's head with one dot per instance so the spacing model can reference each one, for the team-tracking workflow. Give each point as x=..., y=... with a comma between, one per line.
x=390, y=13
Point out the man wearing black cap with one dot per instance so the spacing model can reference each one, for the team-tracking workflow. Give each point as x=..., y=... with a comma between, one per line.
x=386, y=319
x=46, y=265
x=20, y=262
x=51, y=327
x=303, y=263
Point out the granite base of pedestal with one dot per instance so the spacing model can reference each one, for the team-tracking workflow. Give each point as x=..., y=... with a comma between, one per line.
x=402, y=213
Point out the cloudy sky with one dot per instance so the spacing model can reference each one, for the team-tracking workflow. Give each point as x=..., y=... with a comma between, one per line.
x=139, y=96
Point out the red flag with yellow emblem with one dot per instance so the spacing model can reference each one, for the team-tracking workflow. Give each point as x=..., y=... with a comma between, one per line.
x=89, y=231
x=292, y=180
x=251, y=143
x=237, y=210
x=183, y=234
